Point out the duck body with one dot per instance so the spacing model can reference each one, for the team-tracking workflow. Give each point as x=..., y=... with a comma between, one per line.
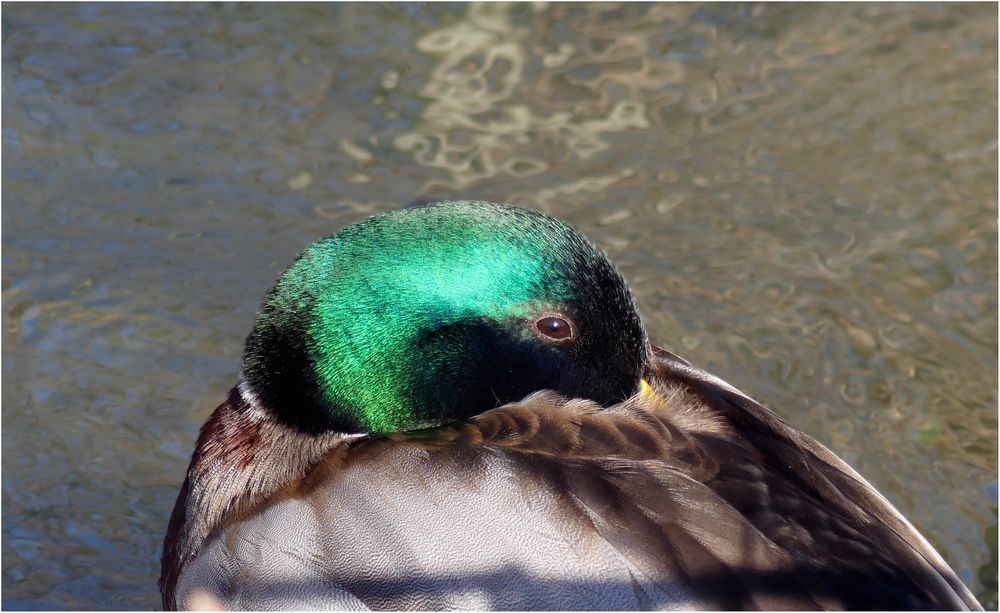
x=682, y=494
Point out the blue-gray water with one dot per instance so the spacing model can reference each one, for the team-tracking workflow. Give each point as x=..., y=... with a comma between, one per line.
x=804, y=198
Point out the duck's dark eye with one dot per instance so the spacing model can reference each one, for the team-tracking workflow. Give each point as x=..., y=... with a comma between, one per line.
x=555, y=328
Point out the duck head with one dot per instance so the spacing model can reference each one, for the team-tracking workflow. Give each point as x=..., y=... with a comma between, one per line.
x=423, y=316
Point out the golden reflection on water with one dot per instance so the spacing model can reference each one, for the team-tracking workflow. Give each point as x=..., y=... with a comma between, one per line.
x=473, y=127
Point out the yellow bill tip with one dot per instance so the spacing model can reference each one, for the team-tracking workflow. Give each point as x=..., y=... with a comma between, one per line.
x=645, y=389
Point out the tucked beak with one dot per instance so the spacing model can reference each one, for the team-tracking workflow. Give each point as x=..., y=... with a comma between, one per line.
x=645, y=390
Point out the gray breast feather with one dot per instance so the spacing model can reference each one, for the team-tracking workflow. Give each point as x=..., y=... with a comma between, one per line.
x=460, y=532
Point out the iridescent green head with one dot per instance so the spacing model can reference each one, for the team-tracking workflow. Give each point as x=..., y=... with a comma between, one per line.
x=422, y=316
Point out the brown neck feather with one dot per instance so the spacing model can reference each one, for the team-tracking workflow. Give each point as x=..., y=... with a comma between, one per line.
x=243, y=455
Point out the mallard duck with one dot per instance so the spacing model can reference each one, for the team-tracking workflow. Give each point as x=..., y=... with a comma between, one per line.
x=457, y=406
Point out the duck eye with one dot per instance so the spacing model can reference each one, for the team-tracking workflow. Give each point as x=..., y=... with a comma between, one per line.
x=555, y=328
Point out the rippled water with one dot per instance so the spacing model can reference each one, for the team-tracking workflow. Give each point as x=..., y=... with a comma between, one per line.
x=804, y=198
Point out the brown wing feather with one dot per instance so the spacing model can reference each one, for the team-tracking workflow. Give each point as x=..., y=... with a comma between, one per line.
x=812, y=504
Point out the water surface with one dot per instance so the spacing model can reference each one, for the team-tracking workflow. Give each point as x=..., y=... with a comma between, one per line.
x=804, y=198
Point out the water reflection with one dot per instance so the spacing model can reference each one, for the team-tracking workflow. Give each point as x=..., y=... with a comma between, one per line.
x=802, y=196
